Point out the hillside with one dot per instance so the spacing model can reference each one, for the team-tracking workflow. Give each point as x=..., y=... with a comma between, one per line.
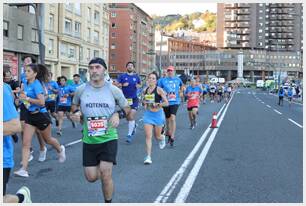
x=197, y=22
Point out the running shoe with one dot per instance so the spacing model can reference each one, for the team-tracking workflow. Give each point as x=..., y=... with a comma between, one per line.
x=62, y=155
x=147, y=160
x=171, y=141
x=42, y=155
x=162, y=143
x=134, y=130
x=22, y=173
x=59, y=132
x=30, y=158
x=128, y=138
x=26, y=194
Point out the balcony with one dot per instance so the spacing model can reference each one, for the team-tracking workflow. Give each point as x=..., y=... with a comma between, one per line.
x=243, y=5
x=243, y=25
x=243, y=18
x=243, y=11
x=230, y=6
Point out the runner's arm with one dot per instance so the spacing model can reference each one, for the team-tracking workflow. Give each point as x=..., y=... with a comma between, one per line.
x=162, y=93
x=11, y=127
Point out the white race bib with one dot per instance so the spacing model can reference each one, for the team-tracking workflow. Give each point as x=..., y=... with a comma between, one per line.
x=97, y=126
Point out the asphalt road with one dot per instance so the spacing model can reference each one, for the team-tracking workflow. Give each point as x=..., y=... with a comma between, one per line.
x=255, y=155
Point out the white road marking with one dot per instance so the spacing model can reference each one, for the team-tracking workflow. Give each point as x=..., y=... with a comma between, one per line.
x=295, y=123
x=185, y=190
x=74, y=142
x=277, y=111
x=268, y=106
x=168, y=189
x=263, y=102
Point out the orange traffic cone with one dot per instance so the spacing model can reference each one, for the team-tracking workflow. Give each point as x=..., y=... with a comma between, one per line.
x=214, y=121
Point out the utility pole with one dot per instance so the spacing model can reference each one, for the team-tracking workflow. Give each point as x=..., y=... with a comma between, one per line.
x=160, y=52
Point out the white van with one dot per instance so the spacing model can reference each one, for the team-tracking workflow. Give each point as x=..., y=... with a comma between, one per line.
x=260, y=83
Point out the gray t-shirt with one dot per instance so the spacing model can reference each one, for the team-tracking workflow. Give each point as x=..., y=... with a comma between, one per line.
x=97, y=102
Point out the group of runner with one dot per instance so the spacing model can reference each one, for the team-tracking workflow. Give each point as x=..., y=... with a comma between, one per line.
x=97, y=105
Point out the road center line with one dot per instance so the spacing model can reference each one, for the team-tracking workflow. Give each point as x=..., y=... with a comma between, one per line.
x=277, y=111
x=168, y=189
x=295, y=123
x=185, y=190
x=268, y=106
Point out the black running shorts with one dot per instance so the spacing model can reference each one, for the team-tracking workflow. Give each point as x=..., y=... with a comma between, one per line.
x=50, y=106
x=63, y=108
x=171, y=109
x=94, y=153
x=38, y=120
x=6, y=177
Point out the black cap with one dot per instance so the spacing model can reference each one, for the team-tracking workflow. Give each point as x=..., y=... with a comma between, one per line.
x=98, y=60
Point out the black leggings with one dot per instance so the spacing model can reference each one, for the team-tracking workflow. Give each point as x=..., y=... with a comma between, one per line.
x=6, y=176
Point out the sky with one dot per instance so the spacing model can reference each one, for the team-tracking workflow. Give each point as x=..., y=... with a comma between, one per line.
x=162, y=9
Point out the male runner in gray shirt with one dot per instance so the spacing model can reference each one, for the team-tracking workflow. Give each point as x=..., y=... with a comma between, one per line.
x=97, y=100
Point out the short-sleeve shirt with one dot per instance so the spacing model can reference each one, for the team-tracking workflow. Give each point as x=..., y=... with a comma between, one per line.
x=95, y=104
x=62, y=91
x=51, y=94
x=193, y=96
x=9, y=113
x=32, y=90
x=131, y=90
x=171, y=85
x=75, y=86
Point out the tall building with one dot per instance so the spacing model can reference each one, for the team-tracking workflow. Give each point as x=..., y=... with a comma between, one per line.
x=20, y=36
x=75, y=33
x=270, y=26
x=131, y=38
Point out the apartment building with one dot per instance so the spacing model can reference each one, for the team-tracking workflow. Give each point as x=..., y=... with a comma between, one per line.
x=131, y=38
x=20, y=36
x=75, y=33
x=270, y=26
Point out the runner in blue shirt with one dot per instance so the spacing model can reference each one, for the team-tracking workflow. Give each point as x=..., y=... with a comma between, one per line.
x=172, y=85
x=281, y=94
x=11, y=124
x=205, y=87
x=76, y=81
x=129, y=82
x=290, y=95
x=65, y=93
x=37, y=115
x=52, y=88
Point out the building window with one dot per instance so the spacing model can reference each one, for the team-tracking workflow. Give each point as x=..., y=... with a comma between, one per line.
x=19, y=32
x=77, y=8
x=89, y=14
x=81, y=53
x=113, y=67
x=69, y=6
x=97, y=17
x=113, y=35
x=96, y=37
x=71, y=53
x=113, y=56
x=88, y=34
x=50, y=46
x=68, y=26
x=5, y=28
x=35, y=35
x=113, y=25
x=96, y=53
x=114, y=14
x=113, y=46
x=88, y=54
x=31, y=10
x=64, y=49
x=51, y=22
x=77, y=29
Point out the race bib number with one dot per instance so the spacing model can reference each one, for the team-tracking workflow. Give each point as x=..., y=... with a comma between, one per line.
x=130, y=101
x=63, y=100
x=52, y=96
x=193, y=96
x=97, y=126
x=26, y=104
x=171, y=97
x=149, y=98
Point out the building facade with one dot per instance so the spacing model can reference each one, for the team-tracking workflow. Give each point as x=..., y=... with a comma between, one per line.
x=270, y=26
x=257, y=64
x=74, y=34
x=20, y=36
x=131, y=38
